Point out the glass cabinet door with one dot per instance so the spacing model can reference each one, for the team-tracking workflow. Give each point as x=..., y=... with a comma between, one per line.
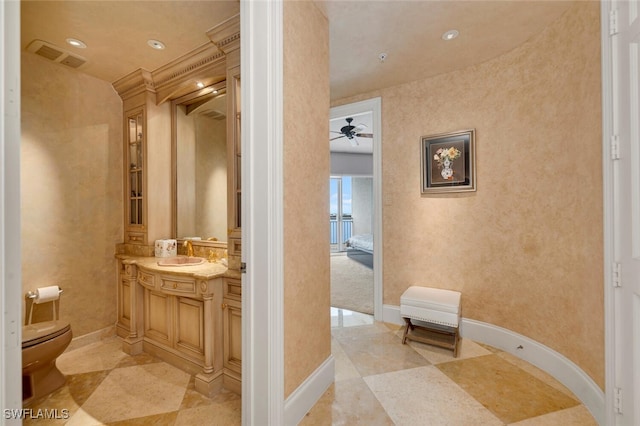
x=135, y=125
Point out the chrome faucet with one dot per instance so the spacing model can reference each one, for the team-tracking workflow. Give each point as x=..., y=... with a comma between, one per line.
x=189, y=245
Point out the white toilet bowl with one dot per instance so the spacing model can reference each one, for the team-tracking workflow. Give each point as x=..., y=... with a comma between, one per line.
x=42, y=343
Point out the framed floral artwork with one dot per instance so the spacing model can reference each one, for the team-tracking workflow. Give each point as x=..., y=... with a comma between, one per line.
x=448, y=162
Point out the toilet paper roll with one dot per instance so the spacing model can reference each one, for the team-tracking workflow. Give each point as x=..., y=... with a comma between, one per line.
x=47, y=294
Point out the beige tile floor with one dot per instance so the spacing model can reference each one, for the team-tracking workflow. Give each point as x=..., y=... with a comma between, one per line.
x=378, y=381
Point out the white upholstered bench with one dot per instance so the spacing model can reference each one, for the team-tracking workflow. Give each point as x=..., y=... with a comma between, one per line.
x=438, y=309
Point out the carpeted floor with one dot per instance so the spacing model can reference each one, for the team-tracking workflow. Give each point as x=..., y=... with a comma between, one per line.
x=351, y=285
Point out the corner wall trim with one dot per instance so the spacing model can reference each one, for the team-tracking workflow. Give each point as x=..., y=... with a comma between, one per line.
x=548, y=360
x=298, y=404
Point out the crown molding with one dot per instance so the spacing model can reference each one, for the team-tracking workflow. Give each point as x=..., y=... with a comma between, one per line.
x=134, y=83
x=226, y=35
x=206, y=64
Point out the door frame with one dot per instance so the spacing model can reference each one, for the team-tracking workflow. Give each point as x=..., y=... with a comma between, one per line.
x=611, y=92
x=608, y=212
x=374, y=106
x=10, y=257
x=261, y=50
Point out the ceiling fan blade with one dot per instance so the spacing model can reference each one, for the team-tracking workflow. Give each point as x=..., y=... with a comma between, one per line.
x=354, y=142
x=333, y=131
x=364, y=135
x=337, y=137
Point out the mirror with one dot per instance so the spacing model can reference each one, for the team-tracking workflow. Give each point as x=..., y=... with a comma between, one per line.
x=200, y=162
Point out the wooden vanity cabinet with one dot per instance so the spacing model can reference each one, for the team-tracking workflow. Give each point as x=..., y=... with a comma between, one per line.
x=177, y=318
x=174, y=315
x=191, y=320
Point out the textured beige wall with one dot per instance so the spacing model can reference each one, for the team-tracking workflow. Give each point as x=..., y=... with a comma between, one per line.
x=526, y=249
x=71, y=189
x=307, y=335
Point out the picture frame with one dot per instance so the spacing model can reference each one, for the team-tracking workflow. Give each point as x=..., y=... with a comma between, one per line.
x=448, y=162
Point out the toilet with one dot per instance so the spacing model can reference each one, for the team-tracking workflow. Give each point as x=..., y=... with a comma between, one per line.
x=42, y=343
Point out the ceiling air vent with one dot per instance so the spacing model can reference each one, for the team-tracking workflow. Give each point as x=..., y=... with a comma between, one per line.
x=48, y=52
x=73, y=61
x=55, y=54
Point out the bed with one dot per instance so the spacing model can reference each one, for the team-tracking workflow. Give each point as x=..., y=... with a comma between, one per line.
x=360, y=249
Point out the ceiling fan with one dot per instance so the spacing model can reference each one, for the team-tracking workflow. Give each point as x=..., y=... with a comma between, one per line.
x=352, y=132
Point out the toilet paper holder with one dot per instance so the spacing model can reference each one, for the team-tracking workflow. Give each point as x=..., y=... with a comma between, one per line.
x=33, y=295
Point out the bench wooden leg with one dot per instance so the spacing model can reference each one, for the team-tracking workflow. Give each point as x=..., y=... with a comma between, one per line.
x=456, y=343
x=410, y=336
x=406, y=329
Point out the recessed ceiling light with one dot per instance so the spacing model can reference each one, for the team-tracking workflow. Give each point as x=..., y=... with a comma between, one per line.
x=450, y=35
x=76, y=43
x=200, y=85
x=156, y=44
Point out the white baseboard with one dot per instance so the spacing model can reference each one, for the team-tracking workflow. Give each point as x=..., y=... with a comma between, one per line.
x=391, y=314
x=548, y=360
x=298, y=404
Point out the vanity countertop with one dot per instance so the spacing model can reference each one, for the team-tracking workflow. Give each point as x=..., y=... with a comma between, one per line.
x=205, y=270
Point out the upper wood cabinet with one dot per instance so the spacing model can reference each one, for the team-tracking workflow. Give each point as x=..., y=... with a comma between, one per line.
x=147, y=157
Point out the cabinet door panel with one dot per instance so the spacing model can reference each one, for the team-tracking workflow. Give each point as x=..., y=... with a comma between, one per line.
x=189, y=326
x=124, y=311
x=157, y=317
x=233, y=335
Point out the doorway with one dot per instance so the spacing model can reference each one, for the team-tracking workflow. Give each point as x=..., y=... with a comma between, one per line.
x=352, y=163
x=351, y=223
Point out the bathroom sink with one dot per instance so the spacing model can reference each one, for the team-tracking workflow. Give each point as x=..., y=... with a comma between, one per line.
x=181, y=261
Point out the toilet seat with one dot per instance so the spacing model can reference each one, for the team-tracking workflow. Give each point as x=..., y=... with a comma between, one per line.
x=34, y=334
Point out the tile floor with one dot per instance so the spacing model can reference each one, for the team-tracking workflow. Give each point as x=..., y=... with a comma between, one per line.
x=379, y=381
x=105, y=386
